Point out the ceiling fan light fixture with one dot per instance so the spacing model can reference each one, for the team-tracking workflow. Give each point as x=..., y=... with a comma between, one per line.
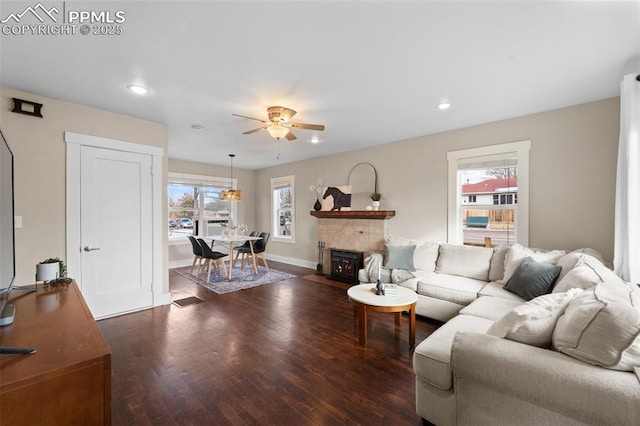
x=277, y=131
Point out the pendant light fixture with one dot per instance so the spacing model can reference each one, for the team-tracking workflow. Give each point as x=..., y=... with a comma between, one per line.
x=232, y=194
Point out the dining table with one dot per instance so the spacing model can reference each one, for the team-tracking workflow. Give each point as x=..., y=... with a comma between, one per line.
x=228, y=242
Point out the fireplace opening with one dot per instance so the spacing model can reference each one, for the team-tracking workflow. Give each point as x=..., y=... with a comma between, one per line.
x=345, y=265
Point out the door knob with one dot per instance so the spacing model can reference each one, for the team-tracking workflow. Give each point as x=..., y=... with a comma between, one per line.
x=88, y=248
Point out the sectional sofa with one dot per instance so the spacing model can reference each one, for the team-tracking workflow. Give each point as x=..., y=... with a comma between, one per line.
x=530, y=336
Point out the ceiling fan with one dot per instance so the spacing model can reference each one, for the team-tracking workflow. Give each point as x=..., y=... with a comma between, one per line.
x=278, y=124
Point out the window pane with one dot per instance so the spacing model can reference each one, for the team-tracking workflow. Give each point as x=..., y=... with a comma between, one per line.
x=216, y=211
x=488, y=187
x=282, y=198
x=499, y=225
x=181, y=195
x=282, y=202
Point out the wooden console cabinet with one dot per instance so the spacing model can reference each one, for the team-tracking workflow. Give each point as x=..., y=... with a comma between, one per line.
x=68, y=380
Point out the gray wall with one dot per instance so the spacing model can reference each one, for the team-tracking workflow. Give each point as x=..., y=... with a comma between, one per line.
x=572, y=179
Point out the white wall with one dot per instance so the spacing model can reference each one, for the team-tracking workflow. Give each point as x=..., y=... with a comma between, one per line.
x=572, y=179
x=573, y=158
x=40, y=167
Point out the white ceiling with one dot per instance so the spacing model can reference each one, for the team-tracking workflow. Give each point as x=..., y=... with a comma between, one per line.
x=371, y=71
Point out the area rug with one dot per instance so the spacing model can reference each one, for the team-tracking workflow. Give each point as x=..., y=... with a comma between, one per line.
x=240, y=280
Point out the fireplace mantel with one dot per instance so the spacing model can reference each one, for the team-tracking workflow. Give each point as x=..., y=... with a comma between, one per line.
x=353, y=214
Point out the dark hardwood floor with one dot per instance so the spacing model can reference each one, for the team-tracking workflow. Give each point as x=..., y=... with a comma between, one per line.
x=283, y=353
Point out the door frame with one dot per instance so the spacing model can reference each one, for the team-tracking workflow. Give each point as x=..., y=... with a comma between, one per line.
x=75, y=141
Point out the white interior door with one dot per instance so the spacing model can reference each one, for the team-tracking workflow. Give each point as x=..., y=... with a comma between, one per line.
x=116, y=263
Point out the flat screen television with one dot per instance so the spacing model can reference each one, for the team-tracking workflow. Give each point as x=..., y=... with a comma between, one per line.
x=7, y=237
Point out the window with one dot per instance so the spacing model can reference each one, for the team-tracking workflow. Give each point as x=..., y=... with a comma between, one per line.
x=196, y=206
x=505, y=198
x=488, y=194
x=283, y=212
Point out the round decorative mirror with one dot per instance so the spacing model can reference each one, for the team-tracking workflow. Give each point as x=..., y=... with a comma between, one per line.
x=363, y=179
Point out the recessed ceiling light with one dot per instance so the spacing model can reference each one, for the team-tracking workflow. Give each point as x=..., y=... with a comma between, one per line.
x=442, y=106
x=314, y=139
x=138, y=89
x=197, y=127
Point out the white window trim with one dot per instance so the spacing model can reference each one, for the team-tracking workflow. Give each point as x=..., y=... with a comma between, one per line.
x=283, y=181
x=186, y=178
x=454, y=212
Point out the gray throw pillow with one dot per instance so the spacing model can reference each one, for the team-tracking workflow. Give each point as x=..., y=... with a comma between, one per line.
x=400, y=257
x=532, y=279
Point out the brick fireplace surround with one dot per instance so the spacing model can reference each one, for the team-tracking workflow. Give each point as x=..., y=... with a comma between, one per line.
x=360, y=230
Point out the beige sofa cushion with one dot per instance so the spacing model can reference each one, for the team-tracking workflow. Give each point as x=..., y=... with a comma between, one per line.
x=432, y=357
x=532, y=323
x=451, y=288
x=601, y=326
x=464, y=261
x=424, y=254
x=496, y=290
x=496, y=270
x=491, y=308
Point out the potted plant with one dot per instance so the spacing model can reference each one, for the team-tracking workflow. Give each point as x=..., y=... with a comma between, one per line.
x=375, y=198
x=52, y=271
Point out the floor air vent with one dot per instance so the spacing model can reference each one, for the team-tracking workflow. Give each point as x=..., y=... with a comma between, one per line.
x=181, y=303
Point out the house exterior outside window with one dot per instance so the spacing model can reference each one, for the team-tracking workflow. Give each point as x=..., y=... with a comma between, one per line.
x=283, y=209
x=488, y=195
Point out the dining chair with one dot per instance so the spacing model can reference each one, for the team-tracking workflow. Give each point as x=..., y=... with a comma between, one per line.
x=215, y=258
x=259, y=247
x=244, y=245
x=197, y=254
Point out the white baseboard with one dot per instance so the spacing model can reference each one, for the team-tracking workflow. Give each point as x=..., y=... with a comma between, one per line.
x=165, y=299
x=291, y=261
x=180, y=263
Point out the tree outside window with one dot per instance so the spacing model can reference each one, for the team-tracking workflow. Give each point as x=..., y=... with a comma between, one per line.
x=196, y=206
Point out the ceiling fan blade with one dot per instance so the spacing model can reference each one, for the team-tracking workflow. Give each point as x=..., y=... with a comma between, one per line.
x=319, y=127
x=254, y=130
x=290, y=136
x=250, y=118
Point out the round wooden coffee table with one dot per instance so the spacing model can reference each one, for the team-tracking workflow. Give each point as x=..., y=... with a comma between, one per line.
x=364, y=299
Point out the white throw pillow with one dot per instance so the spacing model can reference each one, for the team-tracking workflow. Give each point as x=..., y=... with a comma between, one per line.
x=517, y=253
x=425, y=256
x=588, y=272
x=601, y=326
x=532, y=323
x=571, y=260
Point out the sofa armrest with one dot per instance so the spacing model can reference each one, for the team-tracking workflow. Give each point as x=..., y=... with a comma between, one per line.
x=532, y=378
